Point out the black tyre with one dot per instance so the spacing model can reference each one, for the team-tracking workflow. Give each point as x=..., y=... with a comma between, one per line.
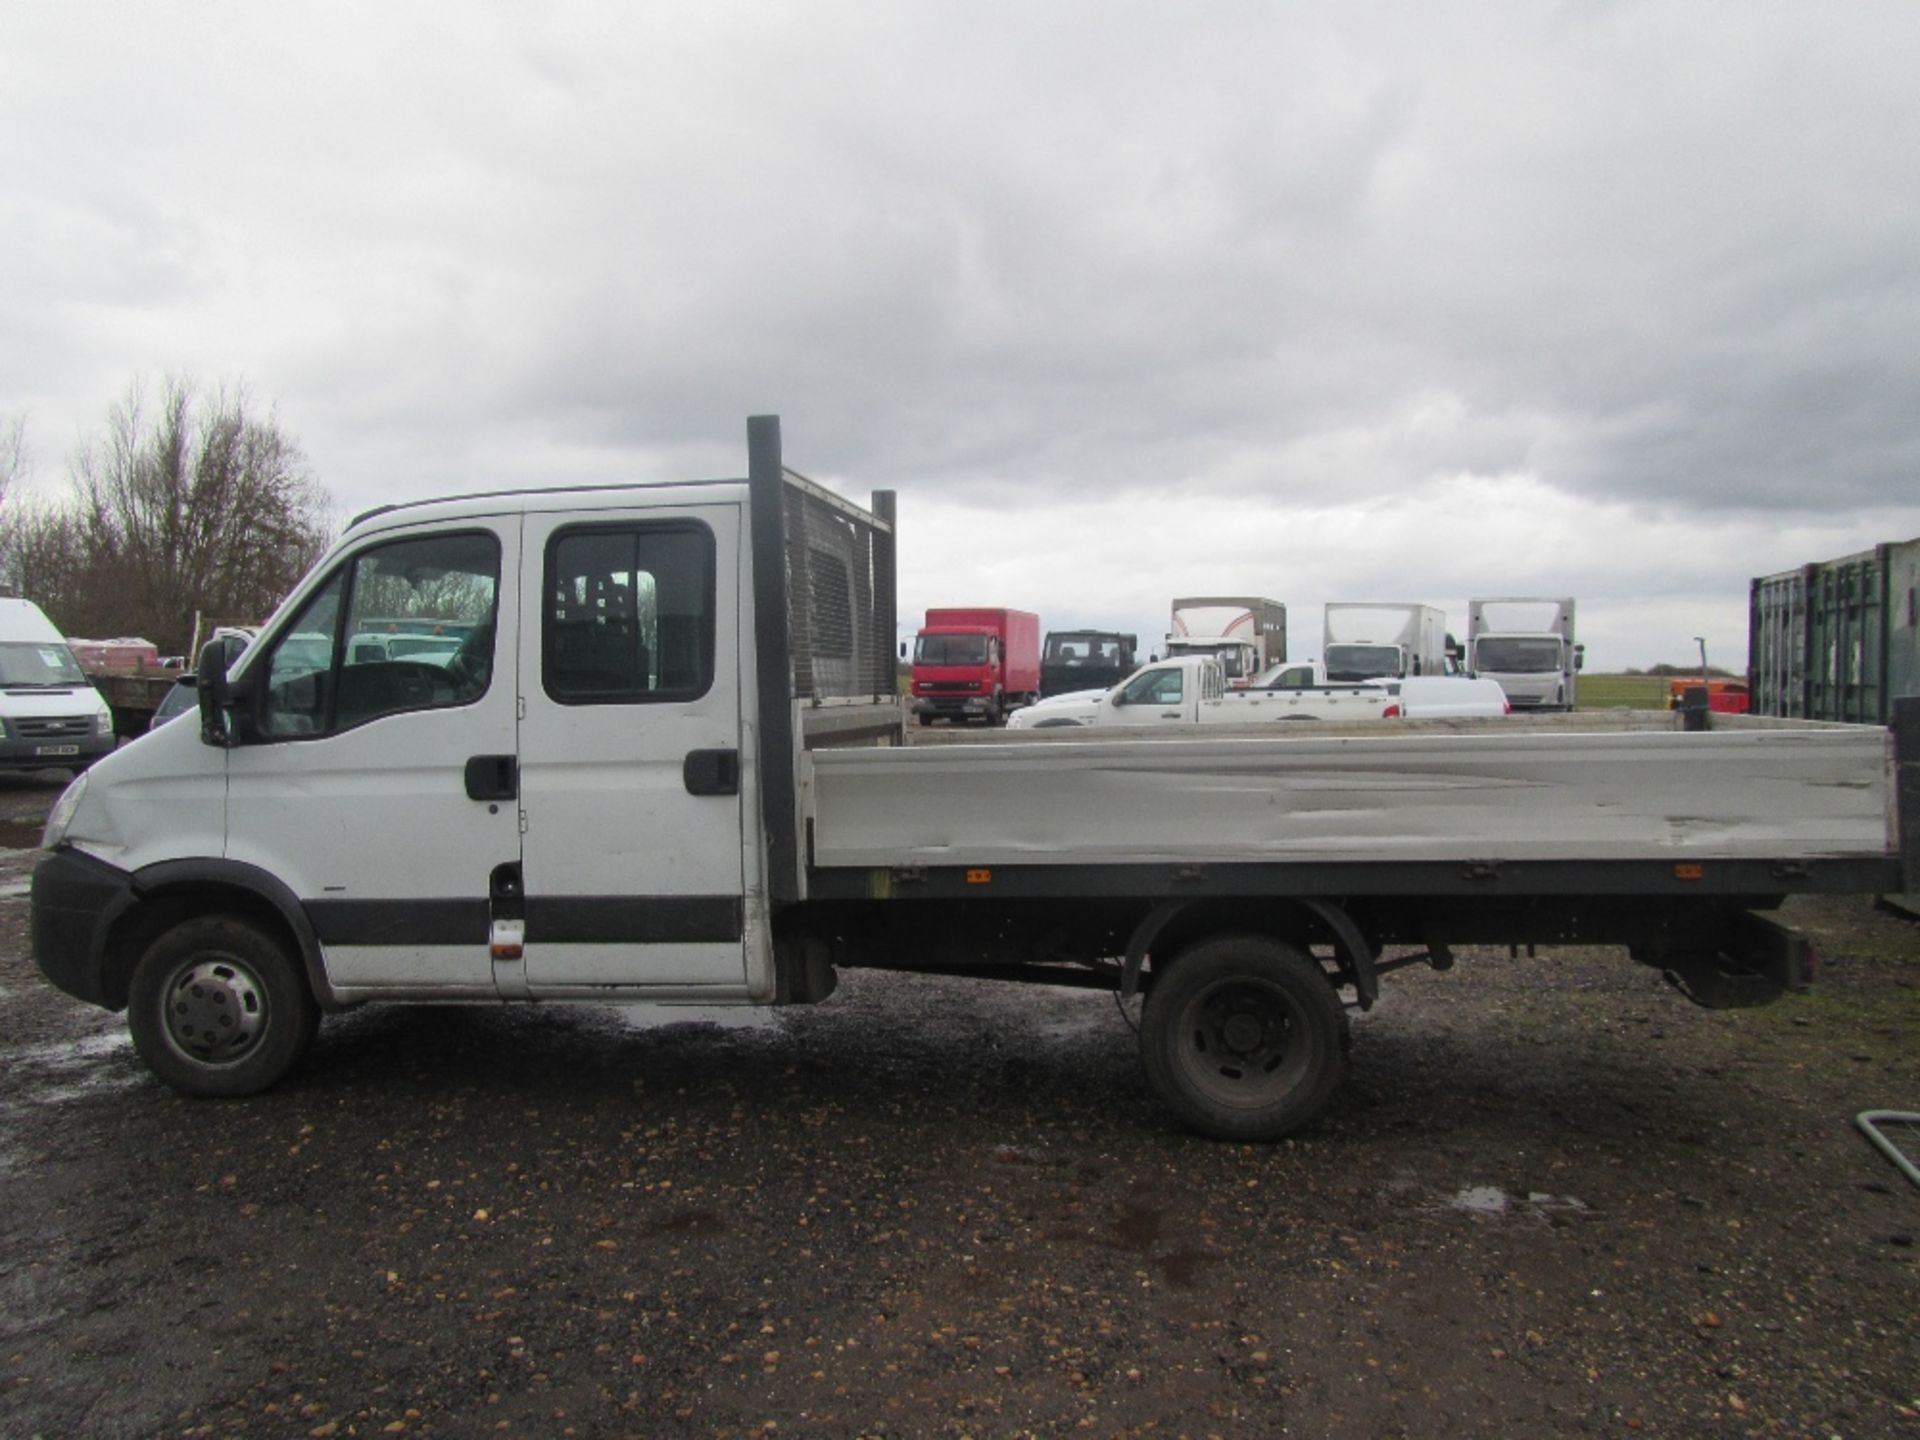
x=1244, y=1038
x=218, y=1007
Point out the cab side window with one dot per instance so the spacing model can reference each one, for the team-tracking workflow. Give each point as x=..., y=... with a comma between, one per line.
x=629, y=614
x=1156, y=687
x=403, y=626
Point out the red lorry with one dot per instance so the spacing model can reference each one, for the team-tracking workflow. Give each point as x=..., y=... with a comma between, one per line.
x=975, y=663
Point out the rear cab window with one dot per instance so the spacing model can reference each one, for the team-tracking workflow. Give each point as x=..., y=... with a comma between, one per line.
x=628, y=613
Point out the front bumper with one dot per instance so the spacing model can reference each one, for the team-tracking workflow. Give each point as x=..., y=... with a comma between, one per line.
x=952, y=704
x=64, y=753
x=76, y=899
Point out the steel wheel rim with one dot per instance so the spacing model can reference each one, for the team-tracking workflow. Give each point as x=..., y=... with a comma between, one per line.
x=214, y=1010
x=1241, y=1043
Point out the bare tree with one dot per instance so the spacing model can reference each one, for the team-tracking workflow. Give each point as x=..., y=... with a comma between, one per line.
x=47, y=562
x=16, y=461
x=192, y=503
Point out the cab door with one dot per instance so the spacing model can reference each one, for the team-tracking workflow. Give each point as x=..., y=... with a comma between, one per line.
x=378, y=788
x=631, y=780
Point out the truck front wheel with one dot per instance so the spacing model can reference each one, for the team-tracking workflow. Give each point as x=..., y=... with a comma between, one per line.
x=1244, y=1038
x=218, y=1007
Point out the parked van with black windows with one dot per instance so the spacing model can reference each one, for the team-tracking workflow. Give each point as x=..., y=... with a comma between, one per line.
x=50, y=714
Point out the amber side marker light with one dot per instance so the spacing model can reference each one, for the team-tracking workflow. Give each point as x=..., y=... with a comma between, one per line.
x=1689, y=872
x=979, y=877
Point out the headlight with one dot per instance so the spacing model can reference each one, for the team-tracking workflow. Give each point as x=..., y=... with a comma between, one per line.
x=61, y=816
x=103, y=722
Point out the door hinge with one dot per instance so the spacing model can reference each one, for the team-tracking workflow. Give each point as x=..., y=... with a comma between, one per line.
x=523, y=822
x=519, y=707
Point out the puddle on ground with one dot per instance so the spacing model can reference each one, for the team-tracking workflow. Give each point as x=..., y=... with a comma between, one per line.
x=69, y=1054
x=727, y=1017
x=1481, y=1200
x=74, y=1066
x=1492, y=1200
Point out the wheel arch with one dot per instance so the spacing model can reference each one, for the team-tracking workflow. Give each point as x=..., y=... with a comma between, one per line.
x=1176, y=925
x=173, y=891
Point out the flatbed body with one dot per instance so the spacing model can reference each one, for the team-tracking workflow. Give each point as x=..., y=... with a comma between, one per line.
x=1482, y=792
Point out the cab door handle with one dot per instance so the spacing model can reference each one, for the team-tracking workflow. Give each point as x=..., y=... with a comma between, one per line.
x=712, y=772
x=493, y=777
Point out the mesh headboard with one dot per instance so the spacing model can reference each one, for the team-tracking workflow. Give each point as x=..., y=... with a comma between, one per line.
x=840, y=579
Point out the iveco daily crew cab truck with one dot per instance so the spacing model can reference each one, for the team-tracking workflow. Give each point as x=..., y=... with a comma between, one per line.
x=607, y=794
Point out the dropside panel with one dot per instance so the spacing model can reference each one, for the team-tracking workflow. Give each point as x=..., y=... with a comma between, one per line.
x=1765, y=795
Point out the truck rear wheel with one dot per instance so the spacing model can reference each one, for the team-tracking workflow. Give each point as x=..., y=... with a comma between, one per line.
x=1244, y=1038
x=218, y=1007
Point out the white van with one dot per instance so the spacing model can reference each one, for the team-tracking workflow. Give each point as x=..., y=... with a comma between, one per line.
x=1429, y=697
x=49, y=714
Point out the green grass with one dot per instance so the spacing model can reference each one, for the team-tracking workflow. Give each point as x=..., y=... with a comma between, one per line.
x=1637, y=692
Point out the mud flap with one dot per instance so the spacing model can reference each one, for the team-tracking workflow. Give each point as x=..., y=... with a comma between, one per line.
x=1756, y=963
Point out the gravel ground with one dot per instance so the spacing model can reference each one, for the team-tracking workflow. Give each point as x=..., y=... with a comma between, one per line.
x=1554, y=1200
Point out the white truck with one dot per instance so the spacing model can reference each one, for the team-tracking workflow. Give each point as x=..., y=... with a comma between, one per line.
x=1192, y=690
x=1245, y=633
x=1527, y=645
x=608, y=796
x=1368, y=640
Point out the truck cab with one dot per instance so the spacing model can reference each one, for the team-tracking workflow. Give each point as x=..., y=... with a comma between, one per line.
x=955, y=675
x=1074, y=660
x=1526, y=644
x=976, y=663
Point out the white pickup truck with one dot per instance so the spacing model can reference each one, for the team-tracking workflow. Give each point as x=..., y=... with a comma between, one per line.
x=1192, y=690
x=1421, y=697
x=607, y=795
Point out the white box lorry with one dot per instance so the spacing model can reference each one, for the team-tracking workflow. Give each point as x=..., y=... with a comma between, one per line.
x=1372, y=640
x=607, y=796
x=1527, y=645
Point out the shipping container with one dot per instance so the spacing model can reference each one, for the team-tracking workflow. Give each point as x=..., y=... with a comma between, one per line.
x=1838, y=639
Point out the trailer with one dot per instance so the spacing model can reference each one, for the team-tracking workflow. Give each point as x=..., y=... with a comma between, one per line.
x=1245, y=633
x=607, y=796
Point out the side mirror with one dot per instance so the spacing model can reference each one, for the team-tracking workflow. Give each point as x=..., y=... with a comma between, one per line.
x=1579, y=657
x=215, y=695
x=1119, y=698
x=903, y=649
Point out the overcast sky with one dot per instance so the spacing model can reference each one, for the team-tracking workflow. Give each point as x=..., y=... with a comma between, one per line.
x=1350, y=302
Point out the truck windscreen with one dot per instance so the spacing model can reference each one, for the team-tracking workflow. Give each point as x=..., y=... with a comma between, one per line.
x=1082, y=650
x=1362, y=662
x=35, y=663
x=950, y=650
x=1516, y=655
